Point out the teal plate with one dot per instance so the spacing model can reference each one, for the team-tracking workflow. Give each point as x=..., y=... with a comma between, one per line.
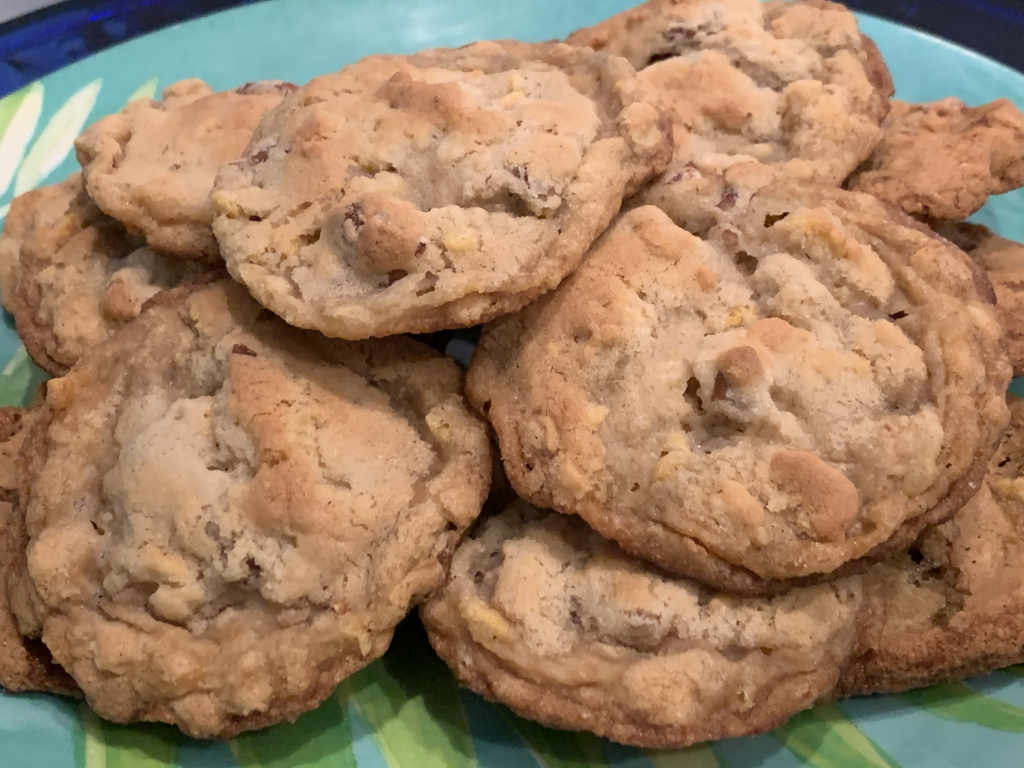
x=405, y=711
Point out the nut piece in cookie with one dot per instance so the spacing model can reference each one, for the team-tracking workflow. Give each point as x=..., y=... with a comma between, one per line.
x=81, y=277
x=792, y=84
x=943, y=159
x=1003, y=262
x=417, y=193
x=542, y=614
x=30, y=211
x=228, y=516
x=151, y=165
x=810, y=376
x=953, y=606
x=25, y=663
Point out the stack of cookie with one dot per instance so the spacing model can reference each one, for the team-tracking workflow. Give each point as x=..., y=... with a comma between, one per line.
x=217, y=513
x=768, y=409
x=766, y=406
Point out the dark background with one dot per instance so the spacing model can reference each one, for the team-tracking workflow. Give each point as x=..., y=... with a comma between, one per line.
x=40, y=42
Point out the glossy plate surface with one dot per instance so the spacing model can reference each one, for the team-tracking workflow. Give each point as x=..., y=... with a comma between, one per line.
x=405, y=711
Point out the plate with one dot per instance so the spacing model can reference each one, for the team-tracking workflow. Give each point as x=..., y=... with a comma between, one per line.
x=405, y=710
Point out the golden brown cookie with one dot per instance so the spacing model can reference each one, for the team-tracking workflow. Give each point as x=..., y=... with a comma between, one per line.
x=943, y=159
x=228, y=516
x=1003, y=262
x=792, y=84
x=32, y=210
x=81, y=277
x=542, y=614
x=151, y=165
x=417, y=193
x=25, y=663
x=810, y=377
x=953, y=605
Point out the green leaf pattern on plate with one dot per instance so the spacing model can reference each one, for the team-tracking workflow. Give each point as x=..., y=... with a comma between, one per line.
x=559, y=749
x=825, y=738
x=700, y=756
x=108, y=745
x=414, y=712
x=19, y=379
x=19, y=115
x=91, y=752
x=139, y=746
x=318, y=739
x=962, y=704
x=145, y=91
x=57, y=138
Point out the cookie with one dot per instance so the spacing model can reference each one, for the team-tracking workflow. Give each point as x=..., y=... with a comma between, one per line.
x=152, y=165
x=80, y=278
x=953, y=605
x=418, y=193
x=1003, y=262
x=30, y=211
x=25, y=663
x=792, y=84
x=542, y=614
x=809, y=377
x=228, y=516
x=943, y=159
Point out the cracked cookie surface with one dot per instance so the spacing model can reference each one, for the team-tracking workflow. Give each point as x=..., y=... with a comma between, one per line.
x=228, y=516
x=152, y=165
x=792, y=84
x=810, y=378
x=944, y=159
x=81, y=277
x=417, y=193
x=542, y=614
